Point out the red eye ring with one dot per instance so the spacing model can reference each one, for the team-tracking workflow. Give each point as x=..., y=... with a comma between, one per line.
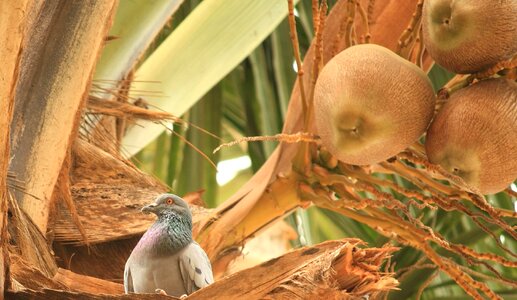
x=169, y=201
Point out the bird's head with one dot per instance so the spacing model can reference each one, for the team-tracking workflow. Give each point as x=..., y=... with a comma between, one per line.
x=168, y=204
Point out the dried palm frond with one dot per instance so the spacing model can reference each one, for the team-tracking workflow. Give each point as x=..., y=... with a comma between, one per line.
x=335, y=269
x=27, y=241
x=341, y=269
x=108, y=193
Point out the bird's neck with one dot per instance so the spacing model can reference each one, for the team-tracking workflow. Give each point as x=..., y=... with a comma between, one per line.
x=179, y=228
x=171, y=232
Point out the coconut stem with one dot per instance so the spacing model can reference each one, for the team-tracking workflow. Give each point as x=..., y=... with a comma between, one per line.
x=364, y=17
x=296, y=49
x=349, y=41
x=456, y=83
x=503, y=65
x=405, y=42
x=392, y=217
x=315, y=9
x=419, y=57
x=318, y=60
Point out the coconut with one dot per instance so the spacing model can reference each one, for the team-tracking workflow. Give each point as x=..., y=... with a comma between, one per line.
x=468, y=36
x=474, y=135
x=370, y=104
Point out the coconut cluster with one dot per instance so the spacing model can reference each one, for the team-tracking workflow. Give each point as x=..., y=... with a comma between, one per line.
x=474, y=135
x=370, y=103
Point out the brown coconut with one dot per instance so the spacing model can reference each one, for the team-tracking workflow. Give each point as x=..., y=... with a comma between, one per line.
x=467, y=36
x=474, y=135
x=370, y=104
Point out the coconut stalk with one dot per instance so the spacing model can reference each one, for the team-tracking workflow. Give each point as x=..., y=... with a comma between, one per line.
x=243, y=214
x=62, y=46
x=12, y=24
x=381, y=213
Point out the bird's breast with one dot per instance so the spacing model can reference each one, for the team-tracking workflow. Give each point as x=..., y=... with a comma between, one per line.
x=155, y=272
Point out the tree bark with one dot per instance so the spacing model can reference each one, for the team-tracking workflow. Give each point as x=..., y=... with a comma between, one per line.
x=62, y=46
x=12, y=24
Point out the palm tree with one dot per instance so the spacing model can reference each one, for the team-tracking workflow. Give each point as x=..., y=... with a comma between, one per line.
x=174, y=80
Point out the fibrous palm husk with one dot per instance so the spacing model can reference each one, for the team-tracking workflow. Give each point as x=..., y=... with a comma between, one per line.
x=27, y=241
x=53, y=294
x=104, y=261
x=87, y=284
x=108, y=193
x=25, y=276
x=333, y=269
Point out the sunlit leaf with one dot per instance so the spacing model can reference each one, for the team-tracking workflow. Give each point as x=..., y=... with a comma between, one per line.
x=206, y=46
x=136, y=24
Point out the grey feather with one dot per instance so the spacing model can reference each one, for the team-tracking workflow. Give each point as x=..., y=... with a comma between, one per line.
x=128, y=281
x=195, y=268
x=166, y=257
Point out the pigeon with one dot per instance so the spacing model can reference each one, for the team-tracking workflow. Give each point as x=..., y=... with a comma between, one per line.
x=167, y=259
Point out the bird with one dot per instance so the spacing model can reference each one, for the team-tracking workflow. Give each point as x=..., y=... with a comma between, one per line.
x=167, y=259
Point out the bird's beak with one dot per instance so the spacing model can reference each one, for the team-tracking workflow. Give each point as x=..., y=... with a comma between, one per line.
x=150, y=208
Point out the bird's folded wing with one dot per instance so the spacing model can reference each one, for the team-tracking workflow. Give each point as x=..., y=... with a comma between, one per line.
x=128, y=281
x=195, y=268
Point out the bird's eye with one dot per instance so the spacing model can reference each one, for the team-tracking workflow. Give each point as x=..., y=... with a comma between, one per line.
x=169, y=201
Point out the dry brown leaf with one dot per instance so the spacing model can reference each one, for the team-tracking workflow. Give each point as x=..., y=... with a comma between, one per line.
x=108, y=194
x=336, y=269
x=310, y=273
x=86, y=284
x=28, y=277
x=28, y=242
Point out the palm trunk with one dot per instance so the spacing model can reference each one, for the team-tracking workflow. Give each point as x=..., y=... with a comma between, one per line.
x=11, y=29
x=61, y=49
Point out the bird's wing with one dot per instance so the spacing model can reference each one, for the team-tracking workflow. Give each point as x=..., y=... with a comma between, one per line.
x=128, y=281
x=195, y=268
